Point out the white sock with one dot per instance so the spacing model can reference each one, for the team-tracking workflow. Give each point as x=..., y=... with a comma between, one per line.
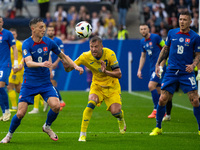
x=9, y=134
x=7, y=111
x=46, y=126
x=83, y=133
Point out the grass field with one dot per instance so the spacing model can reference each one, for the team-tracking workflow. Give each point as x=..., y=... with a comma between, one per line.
x=103, y=133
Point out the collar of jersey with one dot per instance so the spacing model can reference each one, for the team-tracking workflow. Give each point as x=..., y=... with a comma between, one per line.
x=183, y=33
x=37, y=43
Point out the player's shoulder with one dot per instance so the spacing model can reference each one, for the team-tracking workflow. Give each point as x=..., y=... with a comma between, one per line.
x=174, y=31
x=27, y=41
x=18, y=42
x=57, y=39
x=87, y=53
x=192, y=32
x=108, y=50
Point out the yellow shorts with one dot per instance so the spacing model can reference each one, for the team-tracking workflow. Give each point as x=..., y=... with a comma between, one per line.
x=16, y=78
x=109, y=95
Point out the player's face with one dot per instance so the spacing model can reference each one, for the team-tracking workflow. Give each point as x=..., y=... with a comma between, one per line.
x=50, y=32
x=184, y=22
x=96, y=49
x=14, y=34
x=144, y=30
x=1, y=23
x=39, y=29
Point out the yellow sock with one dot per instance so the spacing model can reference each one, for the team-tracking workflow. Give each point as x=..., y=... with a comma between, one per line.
x=87, y=114
x=41, y=100
x=12, y=96
x=36, y=101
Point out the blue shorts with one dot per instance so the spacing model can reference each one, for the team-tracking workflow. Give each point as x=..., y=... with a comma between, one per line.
x=4, y=74
x=173, y=77
x=27, y=93
x=155, y=78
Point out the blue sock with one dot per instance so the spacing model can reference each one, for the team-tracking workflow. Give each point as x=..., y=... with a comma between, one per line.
x=15, y=122
x=4, y=99
x=196, y=111
x=155, y=97
x=59, y=96
x=51, y=116
x=159, y=115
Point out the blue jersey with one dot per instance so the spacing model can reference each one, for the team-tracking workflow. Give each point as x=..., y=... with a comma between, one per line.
x=6, y=41
x=152, y=47
x=60, y=44
x=39, y=52
x=182, y=48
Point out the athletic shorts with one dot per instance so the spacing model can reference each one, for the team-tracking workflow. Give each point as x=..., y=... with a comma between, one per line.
x=109, y=95
x=173, y=77
x=27, y=93
x=4, y=74
x=16, y=78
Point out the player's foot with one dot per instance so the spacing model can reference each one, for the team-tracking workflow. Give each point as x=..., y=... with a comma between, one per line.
x=156, y=131
x=34, y=111
x=6, y=139
x=50, y=132
x=45, y=106
x=12, y=110
x=62, y=104
x=6, y=116
x=122, y=126
x=153, y=114
x=166, y=118
x=82, y=138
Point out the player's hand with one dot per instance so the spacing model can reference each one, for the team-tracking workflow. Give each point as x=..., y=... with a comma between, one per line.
x=80, y=69
x=160, y=71
x=198, y=77
x=47, y=64
x=15, y=70
x=139, y=74
x=103, y=66
x=189, y=68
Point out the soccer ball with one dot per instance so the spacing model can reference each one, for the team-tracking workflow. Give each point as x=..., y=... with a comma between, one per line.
x=83, y=29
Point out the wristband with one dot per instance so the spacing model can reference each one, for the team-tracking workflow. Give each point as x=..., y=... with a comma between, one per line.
x=15, y=64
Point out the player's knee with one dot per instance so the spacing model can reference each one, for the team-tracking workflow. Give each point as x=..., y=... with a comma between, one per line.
x=56, y=107
x=151, y=87
x=194, y=102
x=20, y=114
x=163, y=100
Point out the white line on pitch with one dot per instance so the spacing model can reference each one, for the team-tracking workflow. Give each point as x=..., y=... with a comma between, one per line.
x=101, y=132
x=150, y=98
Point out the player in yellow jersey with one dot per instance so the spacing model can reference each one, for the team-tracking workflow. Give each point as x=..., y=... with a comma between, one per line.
x=105, y=84
x=15, y=79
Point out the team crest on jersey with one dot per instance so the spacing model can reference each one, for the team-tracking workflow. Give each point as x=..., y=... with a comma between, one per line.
x=181, y=39
x=187, y=41
x=45, y=49
x=25, y=52
x=39, y=50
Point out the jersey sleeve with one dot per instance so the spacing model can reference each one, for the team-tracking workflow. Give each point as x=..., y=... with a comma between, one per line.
x=11, y=39
x=197, y=44
x=160, y=41
x=168, y=39
x=26, y=49
x=60, y=44
x=79, y=60
x=55, y=48
x=141, y=46
x=113, y=61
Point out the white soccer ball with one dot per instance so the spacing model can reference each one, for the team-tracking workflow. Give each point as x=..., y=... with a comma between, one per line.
x=83, y=29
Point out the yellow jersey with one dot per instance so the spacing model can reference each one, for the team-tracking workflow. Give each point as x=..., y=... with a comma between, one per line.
x=94, y=65
x=19, y=49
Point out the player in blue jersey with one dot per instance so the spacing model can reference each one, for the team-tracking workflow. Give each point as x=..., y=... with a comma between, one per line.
x=152, y=45
x=36, y=79
x=183, y=48
x=6, y=41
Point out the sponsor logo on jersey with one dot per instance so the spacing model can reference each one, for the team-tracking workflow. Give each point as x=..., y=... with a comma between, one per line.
x=39, y=50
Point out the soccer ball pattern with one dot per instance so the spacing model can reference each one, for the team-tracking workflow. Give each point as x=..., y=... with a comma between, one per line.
x=83, y=29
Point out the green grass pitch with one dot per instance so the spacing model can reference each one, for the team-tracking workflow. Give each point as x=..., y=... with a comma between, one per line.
x=103, y=133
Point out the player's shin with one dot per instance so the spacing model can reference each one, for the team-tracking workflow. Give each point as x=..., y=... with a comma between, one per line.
x=51, y=116
x=15, y=122
x=160, y=114
x=87, y=114
x=12, y=96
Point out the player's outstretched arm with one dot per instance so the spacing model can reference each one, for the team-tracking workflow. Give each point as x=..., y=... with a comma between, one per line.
x=67, y=61
x=31, y=64
x=15, y=66
x=116, y=73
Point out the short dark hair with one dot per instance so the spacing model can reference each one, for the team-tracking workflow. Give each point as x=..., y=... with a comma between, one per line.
x=13, y=29
x=35, y=21
x=95, y=38
x=143, y=24
x=187, y=14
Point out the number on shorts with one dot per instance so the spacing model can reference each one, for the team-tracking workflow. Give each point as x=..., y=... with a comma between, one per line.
x=192, y=80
